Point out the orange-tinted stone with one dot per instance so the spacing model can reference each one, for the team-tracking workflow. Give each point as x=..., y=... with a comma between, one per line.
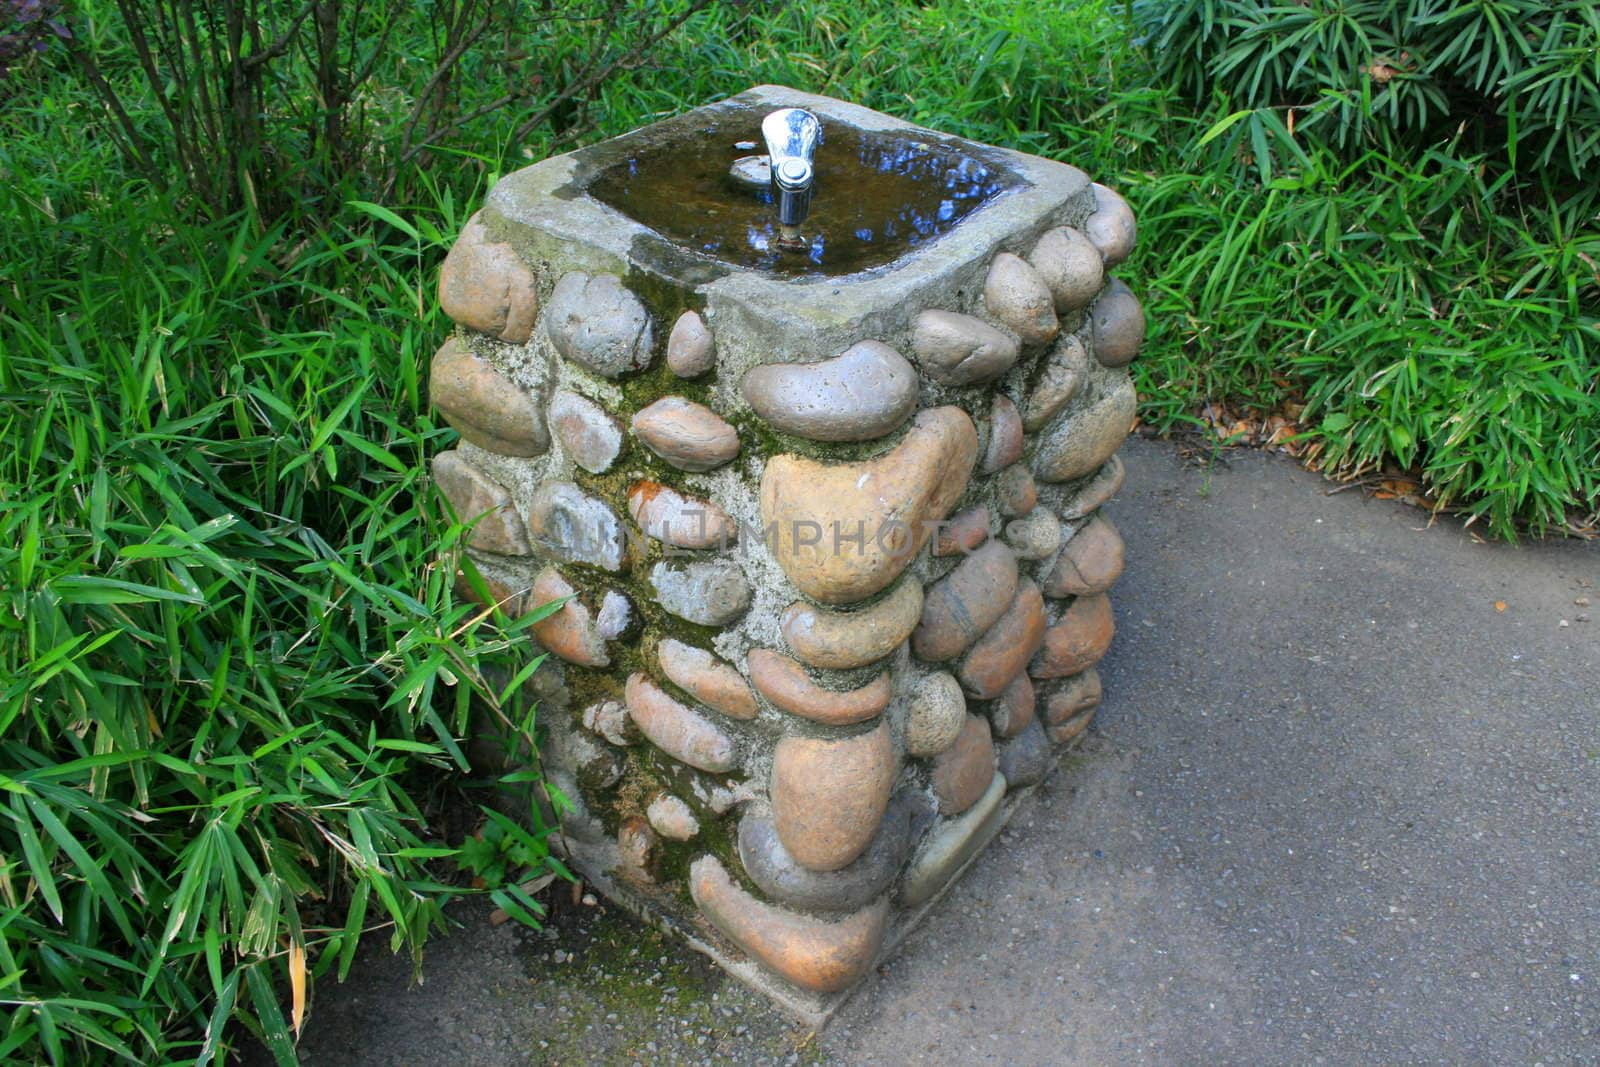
x=890, y=503
x=840, y=640
x=963, y=771
x=1089, y=563
x=785, y=682
x=1004, y=650
x=485, y=286
x=708, y=679
x=829, y=795
x=679, y=731
x=821, y=955
x=1077, y=641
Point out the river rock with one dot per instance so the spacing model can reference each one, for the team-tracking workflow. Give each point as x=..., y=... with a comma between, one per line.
x=706, y=592
x=1014, y=491
x=1005, y=435
x=690, y=350
x=1091, y=561
x=594, y=765
x=829, y=795
x=1004, y=650
x=1070, y=265
x=679, y=520
x=963, y=533
x=817, y=954
x=473, y=496
x=1077, y=641
x=1111, y=228
x=936, y=715
x=507, y=598
x=962, y=772
x=1016, y=295
x=636, y=850
x=588, y=434
x=862, y=394
x=570, y=632
x=1061, y=376
x=595, y=322
x=610, y=720
x=1105, y=484
x=573, y=527
x=687, y=435
x=1074, y=446
x=1072, y=697
x=672, y=818
x=483, y=405
x=958, y=608
x=780, y=876
x=485, y=286
x=716, y=684
x=614, y=617
x=892, y=501
x=955, y=349
x=784, y=682
x=1014, y=710
x=948, y=848
x=840, y=640
x=1117, y=324
x=1034, y=536
x=1072, y=729
x=1026, y=758
x=679, y=731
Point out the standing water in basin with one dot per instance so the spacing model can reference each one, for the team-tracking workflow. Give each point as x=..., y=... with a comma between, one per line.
x=873, y=196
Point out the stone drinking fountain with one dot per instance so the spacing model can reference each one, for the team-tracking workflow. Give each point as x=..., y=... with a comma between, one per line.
x=814, y=443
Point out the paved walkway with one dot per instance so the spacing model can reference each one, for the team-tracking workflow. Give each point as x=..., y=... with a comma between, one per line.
x=1336, y=808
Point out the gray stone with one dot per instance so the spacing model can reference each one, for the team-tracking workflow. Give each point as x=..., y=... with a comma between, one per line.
x=1077, y=444
x=1016, y=295
x=586, y=431
x=598, y=324
x=614, y=617
x=610, y=720
x=690, y=350
x=1117, y=322
x=780, y=876
x=955, y=349
x=865, y=392
x=672, y=818
x=1026, y=758
x=476, y=498
x=1111, y=228
x=708, y=592
x=592, y=763
x=1070, y=265
x=937, y=712
x=569, y=525
x=687, y=435
x=1061, y=375
x=951, y=845
x=1035, y=536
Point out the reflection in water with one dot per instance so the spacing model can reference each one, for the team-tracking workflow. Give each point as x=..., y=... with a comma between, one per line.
x=877, y=196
